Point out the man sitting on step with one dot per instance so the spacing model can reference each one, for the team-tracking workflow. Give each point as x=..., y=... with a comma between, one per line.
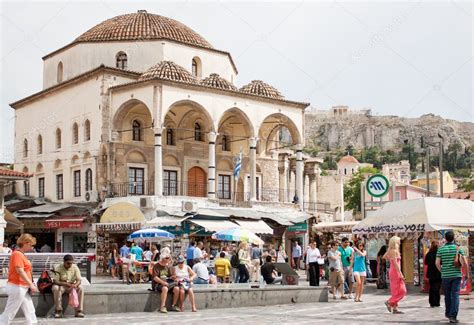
x=67, y=276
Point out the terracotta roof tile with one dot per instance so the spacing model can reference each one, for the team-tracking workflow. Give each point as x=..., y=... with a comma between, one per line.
x=142, y=26
x=216, y=81
x=260, y=88
x=13, y=173
x=348, y=159
x=168, y=70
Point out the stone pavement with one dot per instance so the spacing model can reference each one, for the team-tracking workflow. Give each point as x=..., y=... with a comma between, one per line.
x=371, y=311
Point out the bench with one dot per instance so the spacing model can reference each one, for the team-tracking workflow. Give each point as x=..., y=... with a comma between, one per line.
x=47, y=261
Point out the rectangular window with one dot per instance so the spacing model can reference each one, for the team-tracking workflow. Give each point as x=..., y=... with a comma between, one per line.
x=41, y=187
x=136, y=179
x=59, y=187
x=170, y=180
x=26, y=188
x=398, y=196
x=224, y=187
x=77, y=183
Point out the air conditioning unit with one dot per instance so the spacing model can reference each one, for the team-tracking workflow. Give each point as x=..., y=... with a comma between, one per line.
x=189, y=207
x=91, y=196
x=146, y=202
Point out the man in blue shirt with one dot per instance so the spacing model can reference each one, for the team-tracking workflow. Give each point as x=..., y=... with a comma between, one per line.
x=296, y=254
x=124, y=250
x=190, y=254
x=137, y=251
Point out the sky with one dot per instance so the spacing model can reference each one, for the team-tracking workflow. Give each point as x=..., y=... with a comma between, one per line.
x=397, y=58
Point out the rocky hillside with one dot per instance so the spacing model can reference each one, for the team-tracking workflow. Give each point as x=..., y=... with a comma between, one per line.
x=388, y=132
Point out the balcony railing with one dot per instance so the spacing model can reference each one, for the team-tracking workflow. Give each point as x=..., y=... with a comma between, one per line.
x=133, y=188
x=239, y=199
x=175, y=188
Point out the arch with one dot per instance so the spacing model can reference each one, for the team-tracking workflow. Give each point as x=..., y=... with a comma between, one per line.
x=25, y=148
x=25, y=170
x=170, y=137
x=87, y=130
x=234, y=127
x=75, y=160
x=136, y=130
x=88, y=179
x=39, y=145
x=228, y=115
x=197, y=181
x=198, y=136
x=270, y=134
x=87, y=155
x=39, y=168
x=225, y=164
x=130, y=111
x=170, y=160
x=75, y=133
x=121, y=60
x=135, y=156
x=60, y=72
x=58, y=164
x=58, y=138
x=196, y=67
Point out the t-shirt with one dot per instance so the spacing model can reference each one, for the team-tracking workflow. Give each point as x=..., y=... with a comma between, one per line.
x=346, y=254
x=201, y=271
x=447, y=253
x=296, y=251
x=267, y=272
x=359, y=263
x=124, y=251
x=256, y=253
x=137, y=251
x=336, y=264
x=223, y=263
x=18, y=259
x=70, y=275
x=197, y=253
x=164, y=272
x=190, y=252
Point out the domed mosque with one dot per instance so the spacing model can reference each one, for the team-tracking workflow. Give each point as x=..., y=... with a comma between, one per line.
x=142, y=105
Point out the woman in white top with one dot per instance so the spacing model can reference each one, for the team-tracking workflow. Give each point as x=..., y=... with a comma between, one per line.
x=312, y=257
x=281, y=255
x=244, y=262
x=184, y=278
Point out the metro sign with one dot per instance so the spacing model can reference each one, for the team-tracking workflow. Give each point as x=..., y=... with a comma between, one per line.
x=377, y=185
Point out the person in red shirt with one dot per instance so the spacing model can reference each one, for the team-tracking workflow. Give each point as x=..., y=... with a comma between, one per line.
x=20, y=283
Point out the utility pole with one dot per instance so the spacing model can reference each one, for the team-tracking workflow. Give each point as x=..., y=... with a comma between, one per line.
x=428, y=171
x=441, y=192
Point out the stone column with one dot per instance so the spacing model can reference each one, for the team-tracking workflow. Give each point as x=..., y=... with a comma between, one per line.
x=313, y=191
x=283, y=178
x=3, y=223
x=299, y=174
x=291, y=185
x=306, y=191
x=253, y=169
x=158, y=163
x=211, y=175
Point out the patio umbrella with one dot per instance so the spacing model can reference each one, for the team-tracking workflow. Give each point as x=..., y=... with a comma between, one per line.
x=150, y=235
x=237, y=234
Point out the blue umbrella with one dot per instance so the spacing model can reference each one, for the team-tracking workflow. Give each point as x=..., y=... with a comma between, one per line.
x=150, y=234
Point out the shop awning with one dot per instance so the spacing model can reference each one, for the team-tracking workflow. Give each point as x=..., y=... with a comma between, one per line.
x=166, y=221
x=12, y=222
x=419, y=215
x=215, y=225
x=68, y=222
x=258, y=227
x=345, y=226
x=122, y=212
x=213, y=213
x=46, y=208
x=33, y=215
x=163, y=211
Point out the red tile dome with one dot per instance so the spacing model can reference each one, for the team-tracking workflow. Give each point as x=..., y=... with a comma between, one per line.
x=260, y=88
x=168, y=70
x=216, y=81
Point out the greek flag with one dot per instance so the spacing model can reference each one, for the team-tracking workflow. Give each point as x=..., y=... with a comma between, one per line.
x=238, y=165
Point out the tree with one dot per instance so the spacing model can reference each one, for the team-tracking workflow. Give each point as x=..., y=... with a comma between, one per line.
x=352, y=188
x=467, y=185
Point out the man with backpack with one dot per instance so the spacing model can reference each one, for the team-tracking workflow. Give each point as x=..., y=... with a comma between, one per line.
x=67, y=277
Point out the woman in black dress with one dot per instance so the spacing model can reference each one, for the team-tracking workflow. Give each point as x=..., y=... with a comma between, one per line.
x=382, y=268
x=433, y=274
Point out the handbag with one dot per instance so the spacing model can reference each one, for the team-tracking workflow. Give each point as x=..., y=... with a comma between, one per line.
x=457, y=259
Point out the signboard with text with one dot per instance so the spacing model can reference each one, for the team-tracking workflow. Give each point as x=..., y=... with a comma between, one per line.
x=377, y=185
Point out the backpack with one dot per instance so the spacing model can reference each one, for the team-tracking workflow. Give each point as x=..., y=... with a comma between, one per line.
x=45, y=283
x=234, y=260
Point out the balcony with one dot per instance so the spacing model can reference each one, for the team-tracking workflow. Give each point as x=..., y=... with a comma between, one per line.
x=132, y=188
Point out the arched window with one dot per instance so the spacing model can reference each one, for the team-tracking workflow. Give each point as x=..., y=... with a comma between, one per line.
x=136, y=131
x=88, y=179
x=170, y=136
x=87, y=130
x=60, y=72
x=225, y=143
x=40, y=144
x=345, y=171
x=58, y=138
x=25, y=148
x=75, y=133
x=197, y=132
x=196, y=67
x=121, y=60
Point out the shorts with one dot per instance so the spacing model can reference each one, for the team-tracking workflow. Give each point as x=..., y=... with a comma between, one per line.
x=336, y=278
x=348, y=275
x=159, y=287
x=364, y=273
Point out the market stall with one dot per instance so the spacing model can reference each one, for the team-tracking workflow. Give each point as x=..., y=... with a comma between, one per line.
x=418, y=222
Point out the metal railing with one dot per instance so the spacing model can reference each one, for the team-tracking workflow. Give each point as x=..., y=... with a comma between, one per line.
x=273, y=195
x=47, y=261
x=236, y=199
x=318, y=206
x=133, y=188
x=176, y=188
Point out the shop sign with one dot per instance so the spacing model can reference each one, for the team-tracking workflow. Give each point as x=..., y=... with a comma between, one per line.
x=33, y=223
x=377, y=185
x=71, y=224
x=119, y=227
x=299, y=227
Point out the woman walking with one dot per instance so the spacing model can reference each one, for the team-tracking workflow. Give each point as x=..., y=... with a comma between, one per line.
x=312, y=257
x=381, y=268
x=397, y=279
x=433, y=274
x=359, y=270
x=20, y=283
x=113, y=258
x=244, y=261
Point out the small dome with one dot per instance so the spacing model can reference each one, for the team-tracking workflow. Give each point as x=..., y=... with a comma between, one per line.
x=260, y=88
x=142, y=26
x=348, y=160
x=216, y=81
x=168, y=70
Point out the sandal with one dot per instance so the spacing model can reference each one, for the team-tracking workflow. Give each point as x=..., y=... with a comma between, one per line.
x=58, y=314
x=194, y=309
x=389, y=308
